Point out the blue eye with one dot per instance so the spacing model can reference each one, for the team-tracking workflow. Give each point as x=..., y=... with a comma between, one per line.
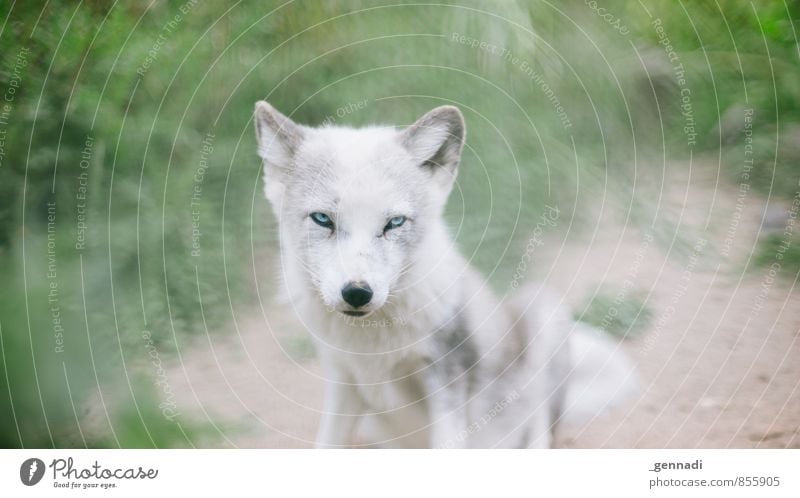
x=322, y=219
x=395, y=222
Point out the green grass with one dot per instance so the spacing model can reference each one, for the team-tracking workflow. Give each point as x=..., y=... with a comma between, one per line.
x=299, y=348
x=616, y=312
x=779, y=250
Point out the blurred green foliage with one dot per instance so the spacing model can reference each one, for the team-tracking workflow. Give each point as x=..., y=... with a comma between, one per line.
x=617, y=312
x=141, y=96
x=780, y=252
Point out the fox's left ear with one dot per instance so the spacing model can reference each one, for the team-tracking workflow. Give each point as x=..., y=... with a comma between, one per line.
x=435, y=141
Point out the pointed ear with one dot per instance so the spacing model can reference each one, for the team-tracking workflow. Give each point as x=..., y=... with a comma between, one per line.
x=278, y=139
x=278, y=136
x=435, y=141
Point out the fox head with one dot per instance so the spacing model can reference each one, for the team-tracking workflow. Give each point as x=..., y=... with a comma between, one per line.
x=354, y=206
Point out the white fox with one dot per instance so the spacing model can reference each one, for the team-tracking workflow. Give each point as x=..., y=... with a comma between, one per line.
x=416, y=349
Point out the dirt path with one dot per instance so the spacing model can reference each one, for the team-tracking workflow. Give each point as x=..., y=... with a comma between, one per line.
x=720, y=361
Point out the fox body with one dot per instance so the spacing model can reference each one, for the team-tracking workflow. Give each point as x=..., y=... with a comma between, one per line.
x=416, y=349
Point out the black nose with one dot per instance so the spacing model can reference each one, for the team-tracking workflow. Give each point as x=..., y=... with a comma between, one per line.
x=357, y=294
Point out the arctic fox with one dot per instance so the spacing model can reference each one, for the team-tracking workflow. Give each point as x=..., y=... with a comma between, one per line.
x=416, y=349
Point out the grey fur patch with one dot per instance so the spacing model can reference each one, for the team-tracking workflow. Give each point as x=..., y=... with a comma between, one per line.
x=457, y=352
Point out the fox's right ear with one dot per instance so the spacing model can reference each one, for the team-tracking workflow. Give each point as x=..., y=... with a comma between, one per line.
x=278, y=139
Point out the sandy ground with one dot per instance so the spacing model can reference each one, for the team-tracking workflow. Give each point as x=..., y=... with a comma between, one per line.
x=719, y=364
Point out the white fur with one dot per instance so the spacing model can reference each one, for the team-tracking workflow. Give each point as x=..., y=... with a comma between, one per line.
x=439, y=360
